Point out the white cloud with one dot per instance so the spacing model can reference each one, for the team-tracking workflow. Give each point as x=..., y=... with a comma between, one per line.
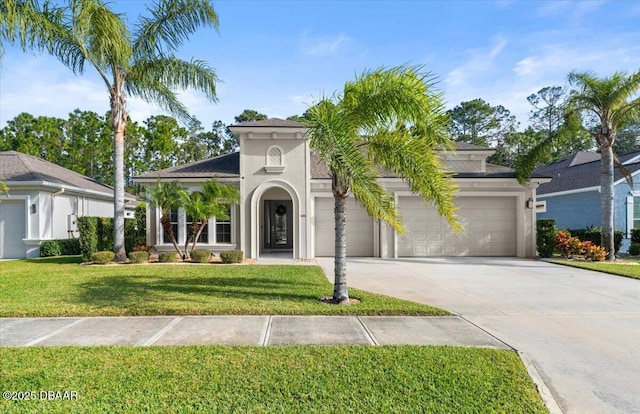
x=478, y=61
x=322, y=46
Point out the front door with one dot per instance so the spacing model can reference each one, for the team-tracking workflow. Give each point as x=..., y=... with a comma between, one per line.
x=278, y=225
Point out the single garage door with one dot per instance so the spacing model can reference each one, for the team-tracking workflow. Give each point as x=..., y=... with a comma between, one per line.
x=12, y=229
x=490, y=224
x=359, y=229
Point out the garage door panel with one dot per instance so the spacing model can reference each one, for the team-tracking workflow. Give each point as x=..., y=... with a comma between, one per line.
x=12, y=229
x=359, y=229
x=489, y=222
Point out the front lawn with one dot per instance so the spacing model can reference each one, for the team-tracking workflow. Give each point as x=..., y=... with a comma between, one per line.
x=61, y=287
x=628, y=268
x=293, y=379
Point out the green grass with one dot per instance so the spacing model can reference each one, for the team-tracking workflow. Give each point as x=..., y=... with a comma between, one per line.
x=629, y=269
x=61, y=287
x=293, y=379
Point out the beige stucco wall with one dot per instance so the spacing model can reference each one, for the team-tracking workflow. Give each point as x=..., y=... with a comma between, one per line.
x=259, y=184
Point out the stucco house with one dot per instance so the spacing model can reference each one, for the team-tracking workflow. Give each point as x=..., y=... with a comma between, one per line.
x=573, y=196
x=44, y=201
x=287, y=204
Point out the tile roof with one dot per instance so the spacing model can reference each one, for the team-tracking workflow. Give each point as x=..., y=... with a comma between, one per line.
x=271, y=122
x=224, y=166
x=576, y=171
x=18, y=167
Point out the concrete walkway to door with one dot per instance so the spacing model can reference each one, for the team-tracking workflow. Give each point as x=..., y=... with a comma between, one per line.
x=581, y=329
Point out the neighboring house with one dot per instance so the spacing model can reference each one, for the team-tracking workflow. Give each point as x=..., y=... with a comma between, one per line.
x=573, y=196
x=43, y=203
x=287, y=204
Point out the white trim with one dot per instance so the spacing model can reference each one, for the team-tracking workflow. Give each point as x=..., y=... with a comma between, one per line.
x=47, y=184
x=567, y=192
x=630, y=213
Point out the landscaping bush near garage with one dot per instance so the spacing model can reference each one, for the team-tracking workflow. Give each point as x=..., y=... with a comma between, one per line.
x=168, y=257
x=594, y=235
x=103, y=257
x=60, y=247
x=545, y=236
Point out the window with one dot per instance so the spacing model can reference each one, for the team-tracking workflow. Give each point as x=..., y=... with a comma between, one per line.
x=223, y=228
x=173, y=215
x=204, y=236
x=636, y=213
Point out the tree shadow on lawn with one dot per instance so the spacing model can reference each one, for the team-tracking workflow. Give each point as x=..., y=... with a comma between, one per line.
x=140, y=293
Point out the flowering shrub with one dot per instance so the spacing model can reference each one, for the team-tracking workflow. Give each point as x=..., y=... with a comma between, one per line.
x=593, y=252
x=568, y=246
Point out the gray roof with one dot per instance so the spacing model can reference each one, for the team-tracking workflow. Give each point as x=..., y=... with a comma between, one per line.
x=18, y=167
x=271, y=123
x=580, y=170
x=224, y=166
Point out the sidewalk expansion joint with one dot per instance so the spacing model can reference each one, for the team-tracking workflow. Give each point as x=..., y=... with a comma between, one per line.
x=488, y=333
x=370, y=336
x=162, y=331
x=56, y=332
x=264, y=341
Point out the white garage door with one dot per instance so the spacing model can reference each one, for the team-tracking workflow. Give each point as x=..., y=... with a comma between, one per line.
x=359, y=229
x=490, y=224
x=12, y=229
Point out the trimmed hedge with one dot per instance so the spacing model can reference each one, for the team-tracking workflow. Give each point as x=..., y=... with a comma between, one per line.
x=139, y=257
x=545, y=236
x=96, y=233
x=635, y=235
x=60, y=247
x=169, y=257
x=634, y=249
x=594, y=235
x=103, y=257
x=232, y=256
x=200, y=256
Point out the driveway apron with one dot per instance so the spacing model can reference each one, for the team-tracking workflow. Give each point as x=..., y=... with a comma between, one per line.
x=581, y=329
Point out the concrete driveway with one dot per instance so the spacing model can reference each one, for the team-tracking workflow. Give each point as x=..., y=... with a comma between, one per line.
x=581, y=329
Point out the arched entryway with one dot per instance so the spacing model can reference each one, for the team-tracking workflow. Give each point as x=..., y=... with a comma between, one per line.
x=275, y=221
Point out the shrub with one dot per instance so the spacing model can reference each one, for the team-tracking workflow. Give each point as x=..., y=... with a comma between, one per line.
x=634, y=249
x=139, y=257
x=50, y=248
x=593, y=252
x=232, y=256
x=69, y=247
x=200, y=255
x=545, y=235
x=635, y=235
x=568, y=246
x=103, y=257
x=594, y=235
x=142, y=248
x=168, y=257
x=87, y=226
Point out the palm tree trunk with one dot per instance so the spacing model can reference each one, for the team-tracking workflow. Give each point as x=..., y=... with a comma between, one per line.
x=168, y=229
x=340, y=293
x=198, y=233
x=118, y=123
x=606, y=201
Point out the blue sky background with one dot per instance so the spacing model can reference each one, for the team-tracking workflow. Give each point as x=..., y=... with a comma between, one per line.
x=278, y=56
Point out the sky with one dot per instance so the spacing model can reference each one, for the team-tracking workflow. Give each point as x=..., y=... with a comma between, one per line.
x=278, y=57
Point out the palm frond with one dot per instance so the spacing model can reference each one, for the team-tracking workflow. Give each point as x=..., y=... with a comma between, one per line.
x=528, y=161
x=170, y=24
x=157, y=81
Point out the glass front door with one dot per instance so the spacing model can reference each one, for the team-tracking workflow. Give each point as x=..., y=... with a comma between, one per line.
x=278, y=224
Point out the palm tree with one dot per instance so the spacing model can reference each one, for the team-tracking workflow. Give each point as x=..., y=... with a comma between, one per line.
x=609, y=100
x=386, y=119
x=139, y=63
x=213, y=201
x=608, y=105
x=167, y=197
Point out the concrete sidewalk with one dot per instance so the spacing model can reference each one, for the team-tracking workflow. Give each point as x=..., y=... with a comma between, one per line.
x=243, y=330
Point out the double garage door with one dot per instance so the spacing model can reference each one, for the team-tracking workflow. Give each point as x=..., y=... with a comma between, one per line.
x=490, y=229
x=489, y=222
